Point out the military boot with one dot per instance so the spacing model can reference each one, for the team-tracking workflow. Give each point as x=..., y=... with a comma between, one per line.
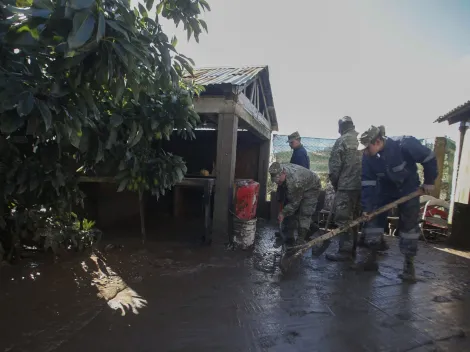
x=408, y=269
x=368, y=263
x=344, y=254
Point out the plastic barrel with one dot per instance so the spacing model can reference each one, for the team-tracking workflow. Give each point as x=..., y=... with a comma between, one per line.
x=245, y=199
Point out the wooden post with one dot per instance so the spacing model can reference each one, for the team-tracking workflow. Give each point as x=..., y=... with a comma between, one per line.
x=263, y=165
x=225, y=175
x=440, y=152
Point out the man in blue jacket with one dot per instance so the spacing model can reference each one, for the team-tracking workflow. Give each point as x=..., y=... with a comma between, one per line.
x=389, y=172
x=299, y=153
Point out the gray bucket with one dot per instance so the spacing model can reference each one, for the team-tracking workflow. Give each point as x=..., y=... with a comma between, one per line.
x=244, y=232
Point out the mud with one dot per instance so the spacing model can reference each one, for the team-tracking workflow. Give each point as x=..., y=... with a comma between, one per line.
x=184, y=297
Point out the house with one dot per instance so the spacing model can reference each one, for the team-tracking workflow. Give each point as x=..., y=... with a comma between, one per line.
x=238, y=103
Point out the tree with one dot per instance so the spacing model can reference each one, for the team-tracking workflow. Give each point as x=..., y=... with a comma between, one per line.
x=88, y=85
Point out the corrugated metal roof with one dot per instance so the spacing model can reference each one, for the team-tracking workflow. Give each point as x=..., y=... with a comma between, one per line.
x=455, y=113
x=236, y=76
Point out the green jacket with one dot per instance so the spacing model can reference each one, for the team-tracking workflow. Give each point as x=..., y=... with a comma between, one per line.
x=345, y=162
x=299, y=180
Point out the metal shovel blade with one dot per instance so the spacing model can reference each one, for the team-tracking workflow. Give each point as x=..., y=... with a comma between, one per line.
x=320, y=248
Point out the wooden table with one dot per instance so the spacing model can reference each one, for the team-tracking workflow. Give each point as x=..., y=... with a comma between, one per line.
x=207, y=185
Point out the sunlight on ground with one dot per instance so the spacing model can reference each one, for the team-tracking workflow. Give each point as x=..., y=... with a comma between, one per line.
x=455, y=252
x=113, y=289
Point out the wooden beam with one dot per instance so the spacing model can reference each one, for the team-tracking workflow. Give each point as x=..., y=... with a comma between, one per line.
x=214, y=105
x=252, y=93
x=225, y=176
x=263, y=165
x=257, y=124
x=440, y=152
x=266, y=108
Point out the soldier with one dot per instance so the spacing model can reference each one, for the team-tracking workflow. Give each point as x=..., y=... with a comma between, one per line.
x=303, y=188
x=299, y=153
x=345, y=176
x=393, y=160
x=299, y=157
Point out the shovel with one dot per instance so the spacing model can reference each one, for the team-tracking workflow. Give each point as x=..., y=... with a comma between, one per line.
x=287, y=262
x=320, y=248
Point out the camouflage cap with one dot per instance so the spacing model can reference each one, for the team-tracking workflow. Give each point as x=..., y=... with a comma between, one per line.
x=275, y=169
x=367, y=137
x=293, y=136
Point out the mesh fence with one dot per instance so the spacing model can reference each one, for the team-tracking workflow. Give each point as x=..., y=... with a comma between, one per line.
x=319, y=150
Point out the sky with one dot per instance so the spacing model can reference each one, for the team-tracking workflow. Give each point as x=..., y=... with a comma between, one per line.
x=397, y=63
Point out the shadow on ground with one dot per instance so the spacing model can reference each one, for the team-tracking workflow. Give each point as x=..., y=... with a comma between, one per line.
x=193, y=298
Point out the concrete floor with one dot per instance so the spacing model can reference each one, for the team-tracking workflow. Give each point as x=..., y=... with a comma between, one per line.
x=204, y=299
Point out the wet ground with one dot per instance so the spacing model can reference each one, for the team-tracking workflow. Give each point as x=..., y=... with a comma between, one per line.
x=192, y=298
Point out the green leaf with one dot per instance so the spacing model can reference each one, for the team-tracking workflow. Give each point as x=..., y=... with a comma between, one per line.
x=204, y=4
x=160, y=7
x=25, y=104
x=91, y=103
x=121, y=54
x=204, y=25
x=45, y=113
x=114, y=25
x=10, y=122
x=132, y=133
x=189, y=31
x=116, y=120
x=143, y=11
x=112, y=139
x=185, y=64
x=80, y=4
x=120, y=87
x=149, y=4
x=99, y=153
x=130, y=48
x=123, y=185
x=83, y=25
x=174, y=41
x=138, y=136
x=135, y=87
x=75, y=138
x=100, y=32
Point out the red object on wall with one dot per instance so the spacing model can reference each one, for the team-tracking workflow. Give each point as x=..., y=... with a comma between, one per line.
x=246, y=199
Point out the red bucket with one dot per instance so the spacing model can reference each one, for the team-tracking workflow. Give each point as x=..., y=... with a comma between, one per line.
x=246, y=199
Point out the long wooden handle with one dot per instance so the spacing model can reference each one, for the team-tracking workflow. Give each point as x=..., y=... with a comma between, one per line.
x=353, y=223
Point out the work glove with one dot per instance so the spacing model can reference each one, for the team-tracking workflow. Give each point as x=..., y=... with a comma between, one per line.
x=427, y=189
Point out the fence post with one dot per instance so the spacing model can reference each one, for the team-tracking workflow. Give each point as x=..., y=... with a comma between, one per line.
x=440, y=152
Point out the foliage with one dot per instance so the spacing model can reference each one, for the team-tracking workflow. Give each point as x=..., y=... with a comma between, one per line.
x=89, y=85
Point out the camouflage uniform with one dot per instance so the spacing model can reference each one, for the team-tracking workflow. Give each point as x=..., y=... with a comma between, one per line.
x=303, y=188
x=345, y=176
x=329, y=197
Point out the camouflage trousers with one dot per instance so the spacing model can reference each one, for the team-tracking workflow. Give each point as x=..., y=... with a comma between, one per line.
x=347, y=208
x=303, y=218
x=408, y=226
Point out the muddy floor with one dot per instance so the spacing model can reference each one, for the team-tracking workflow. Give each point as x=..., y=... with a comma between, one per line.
x=177, y=296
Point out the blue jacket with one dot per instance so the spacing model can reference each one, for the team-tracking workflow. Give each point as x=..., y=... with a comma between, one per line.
x=393, y=172
x=300, y=157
